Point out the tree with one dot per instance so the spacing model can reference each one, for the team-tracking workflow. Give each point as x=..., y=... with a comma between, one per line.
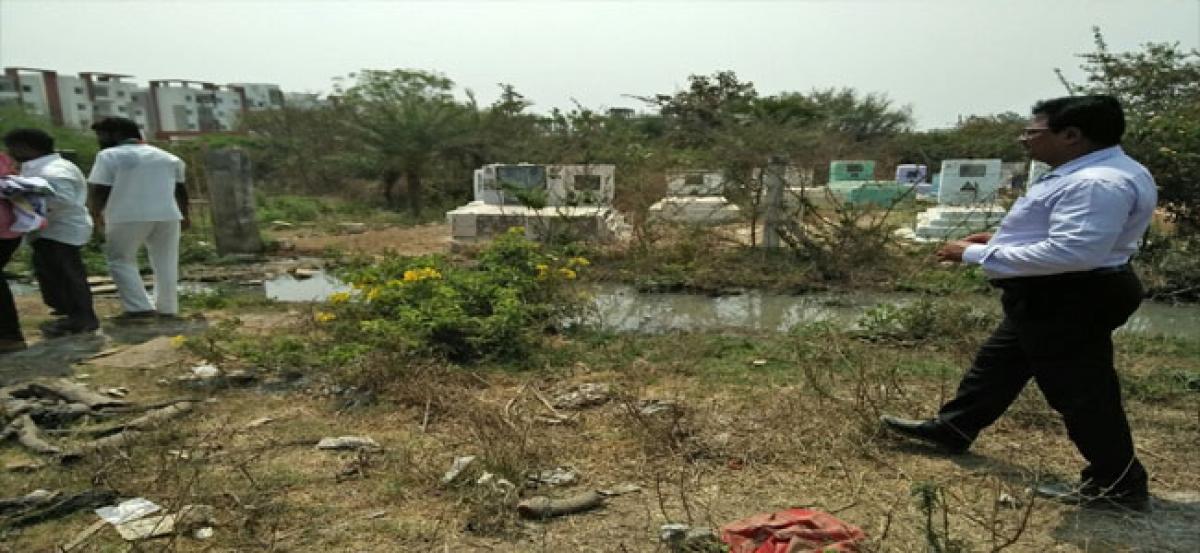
x=862, y=118
x=408, y=121
x=707, y=105
x=1159, y=86
x=978, y=136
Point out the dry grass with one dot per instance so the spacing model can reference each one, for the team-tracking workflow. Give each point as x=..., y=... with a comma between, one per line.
x=741, y=439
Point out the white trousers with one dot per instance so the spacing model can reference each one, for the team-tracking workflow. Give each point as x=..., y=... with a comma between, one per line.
x=161, y=238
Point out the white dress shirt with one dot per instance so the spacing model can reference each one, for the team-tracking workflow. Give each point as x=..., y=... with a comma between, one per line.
x=1088, y=213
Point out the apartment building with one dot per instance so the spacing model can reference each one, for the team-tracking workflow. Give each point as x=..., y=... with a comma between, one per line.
x=166, y=108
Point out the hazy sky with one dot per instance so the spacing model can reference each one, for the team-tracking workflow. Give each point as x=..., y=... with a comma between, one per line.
x=944, y=57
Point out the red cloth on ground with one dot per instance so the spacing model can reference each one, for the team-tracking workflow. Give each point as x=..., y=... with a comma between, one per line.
x=791, y=531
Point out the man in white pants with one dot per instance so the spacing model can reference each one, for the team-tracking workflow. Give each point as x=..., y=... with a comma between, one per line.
x=139, y=198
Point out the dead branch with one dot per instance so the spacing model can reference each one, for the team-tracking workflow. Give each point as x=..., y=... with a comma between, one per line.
x=542, y=507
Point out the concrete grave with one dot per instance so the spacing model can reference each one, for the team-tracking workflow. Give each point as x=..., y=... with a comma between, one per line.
x=695, y=196
x=545, y=200
x=967, y=202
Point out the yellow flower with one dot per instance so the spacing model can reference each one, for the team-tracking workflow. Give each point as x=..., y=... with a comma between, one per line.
x=567, y=273
x=373, y=293
x=543, y=271
x=178, y=340
x=394, y=283
x=324, y=316
x=578, y=262
x=417, y=275
x=339, y=297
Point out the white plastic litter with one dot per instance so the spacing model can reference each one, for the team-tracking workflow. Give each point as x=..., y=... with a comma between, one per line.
x=125, y=511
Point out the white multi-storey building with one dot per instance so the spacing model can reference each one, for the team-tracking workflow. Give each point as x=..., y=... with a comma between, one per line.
x=261, y=95
x=167, y=108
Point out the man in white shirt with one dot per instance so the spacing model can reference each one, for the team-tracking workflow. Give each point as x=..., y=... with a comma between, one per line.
x=57, y=262
x=139, y=197
x=1061, y=259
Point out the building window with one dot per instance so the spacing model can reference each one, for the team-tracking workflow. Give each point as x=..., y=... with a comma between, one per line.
x=187, y=98
x=121, y=108
x=82, y=106
x=26, y=88
x=120, y=93
x=78, y=90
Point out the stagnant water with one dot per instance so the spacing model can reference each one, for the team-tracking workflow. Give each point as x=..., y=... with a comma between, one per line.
x=624, y=309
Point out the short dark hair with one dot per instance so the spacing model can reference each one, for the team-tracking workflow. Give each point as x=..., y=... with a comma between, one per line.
x=1098, y=116
x=34, y=138
x=120, y=126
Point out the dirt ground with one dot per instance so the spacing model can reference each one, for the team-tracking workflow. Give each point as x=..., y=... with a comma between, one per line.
x=727, y=447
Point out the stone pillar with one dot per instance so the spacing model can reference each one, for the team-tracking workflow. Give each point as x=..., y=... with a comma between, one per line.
x=231, y=195
x=773, y=179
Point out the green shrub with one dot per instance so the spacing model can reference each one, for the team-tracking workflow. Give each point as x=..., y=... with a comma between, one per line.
x=924, y=320
x=500, y=308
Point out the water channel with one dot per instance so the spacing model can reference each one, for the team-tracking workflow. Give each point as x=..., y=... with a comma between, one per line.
x=624, y=309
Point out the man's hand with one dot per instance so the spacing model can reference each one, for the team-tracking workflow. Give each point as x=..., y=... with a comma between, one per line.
x=978, y=238
x=952, y=251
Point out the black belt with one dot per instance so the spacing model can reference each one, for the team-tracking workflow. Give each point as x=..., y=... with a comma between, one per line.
x=1061, y=277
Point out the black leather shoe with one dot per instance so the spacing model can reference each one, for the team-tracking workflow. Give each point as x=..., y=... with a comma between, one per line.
x=928, y=432
x=1095, y=498
x=65, y=327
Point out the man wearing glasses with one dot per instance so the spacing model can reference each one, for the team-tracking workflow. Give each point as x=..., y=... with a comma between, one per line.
x=1061, y=259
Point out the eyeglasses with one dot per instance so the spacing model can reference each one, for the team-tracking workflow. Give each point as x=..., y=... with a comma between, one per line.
x=1030, y=132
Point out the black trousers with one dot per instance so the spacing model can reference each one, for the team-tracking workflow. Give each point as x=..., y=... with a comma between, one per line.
x=10, y=325
x=63, y=280
x=1057, y=330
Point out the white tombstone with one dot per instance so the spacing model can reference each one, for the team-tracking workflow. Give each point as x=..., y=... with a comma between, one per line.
x=698, y=182
x=568, y=185
x=969, y=181
x=497, y=183
x=578, y=201
x=967, y=198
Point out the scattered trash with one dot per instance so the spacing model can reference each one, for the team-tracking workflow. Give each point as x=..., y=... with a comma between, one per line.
x=203, y=533
x=759, y=362
x=583, y=395
x=375, y=514
x=118, y=392
x=304, y=273
x=501, y=485
x=791, y=530
x=542, y=507
x=672, y=532
x=620, y=489
x=125, y=511
x=655, y=406
x=349, y=443
x=262, y=421
x=558, y=476
x=459, y=465
x=1008, y=501
x=189, y=517
x=682, y=537
x=205, y=371
x=278, y=225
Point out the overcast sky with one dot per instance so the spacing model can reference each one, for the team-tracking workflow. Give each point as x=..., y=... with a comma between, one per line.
x=942, y=57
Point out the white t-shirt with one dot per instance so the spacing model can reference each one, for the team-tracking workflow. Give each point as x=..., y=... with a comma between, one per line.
x=143, y=180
